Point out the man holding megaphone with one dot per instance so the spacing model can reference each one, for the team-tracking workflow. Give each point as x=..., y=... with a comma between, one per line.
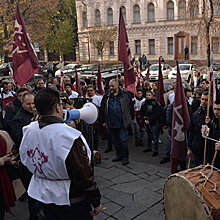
x=60, y=160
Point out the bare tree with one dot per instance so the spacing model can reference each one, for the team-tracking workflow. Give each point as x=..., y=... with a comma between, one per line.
x=100, y=36
x=207, y=22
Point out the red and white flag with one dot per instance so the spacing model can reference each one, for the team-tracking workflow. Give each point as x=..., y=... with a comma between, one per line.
x=24, y=58
x=180, y=122
x=124, y=55
x=100, y=87
x=160, y=87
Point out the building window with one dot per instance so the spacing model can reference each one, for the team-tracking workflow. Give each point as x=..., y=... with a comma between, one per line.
x=97, y=17
x=170, y=45
x=84, y=19
x=123, y=9
x=170, y=10
x=215, y=45
x=182, y=9
x=111, y=48
x=136, y=14
x=216, y=8
x=150, y=12
x=137, y=47
x=151, y=43
x=194, y=9
x=109, y=16
x=194, y=43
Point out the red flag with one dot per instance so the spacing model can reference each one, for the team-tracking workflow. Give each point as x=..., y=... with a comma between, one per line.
x=148, y=74
x=160, y=87
x=180, y=122
x=78, y=86
x=124, y=55
x=24, y=59
x=100, y=87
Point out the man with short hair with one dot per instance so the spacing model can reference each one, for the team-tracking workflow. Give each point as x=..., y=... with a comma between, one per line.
x=39, y=85
x=60, y=162
x=214, y=133
x=23, y=117
x=70, y=93
x=195, y=140
x=151, y=111
x=116, y=113
x=12, y=110
x=6, y=97
x=204, y=84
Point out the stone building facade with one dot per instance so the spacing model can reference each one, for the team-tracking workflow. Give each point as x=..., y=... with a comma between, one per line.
x=155, y=28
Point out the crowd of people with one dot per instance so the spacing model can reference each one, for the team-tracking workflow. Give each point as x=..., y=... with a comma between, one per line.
x=31, y=116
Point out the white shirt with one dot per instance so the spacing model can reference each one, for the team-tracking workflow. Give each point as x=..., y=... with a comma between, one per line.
x=73, y=95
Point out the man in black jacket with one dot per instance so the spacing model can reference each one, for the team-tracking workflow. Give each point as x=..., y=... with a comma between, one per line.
x=151, y=111
x=195, y=139
x=214, y=133
x=22, y=118
x=116, y=112
x=12, y=110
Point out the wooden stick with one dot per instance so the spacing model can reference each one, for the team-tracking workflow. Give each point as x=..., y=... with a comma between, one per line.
x=214, y=158
x=189, y=161
x=208, y=106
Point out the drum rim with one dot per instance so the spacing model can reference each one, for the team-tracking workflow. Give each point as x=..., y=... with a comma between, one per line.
x=206, y=208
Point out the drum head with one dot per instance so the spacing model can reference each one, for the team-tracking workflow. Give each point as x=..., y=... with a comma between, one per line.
x=182, y=201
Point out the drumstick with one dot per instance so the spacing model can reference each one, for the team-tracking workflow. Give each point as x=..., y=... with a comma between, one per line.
x=204, y=155
x=189, y=161
x=214, y=158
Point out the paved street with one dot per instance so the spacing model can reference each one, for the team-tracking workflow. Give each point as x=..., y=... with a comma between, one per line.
x=128, y=192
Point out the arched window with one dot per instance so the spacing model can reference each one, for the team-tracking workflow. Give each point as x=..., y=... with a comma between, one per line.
x=150, y=12
x=124, y=12
x=109, y=16
x=136, y=14
x=182, y=9
x=97, y=17
x=84, y=19
x=216, y=7
x=170, y=10
x=194, y=9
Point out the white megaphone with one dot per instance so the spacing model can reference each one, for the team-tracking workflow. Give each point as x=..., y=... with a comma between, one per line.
x=88, y=113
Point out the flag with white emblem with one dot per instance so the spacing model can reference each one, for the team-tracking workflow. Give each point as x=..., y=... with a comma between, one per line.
x=24, y=58
x=180, y=122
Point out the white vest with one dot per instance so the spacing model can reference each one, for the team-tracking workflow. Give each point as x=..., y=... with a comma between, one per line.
x=138, y=104
x=44, y=151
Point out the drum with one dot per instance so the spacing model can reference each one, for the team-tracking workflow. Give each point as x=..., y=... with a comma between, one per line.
x=193, y=194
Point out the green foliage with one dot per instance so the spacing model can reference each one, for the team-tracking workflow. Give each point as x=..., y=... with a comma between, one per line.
x=61, y=40
x=63, y=35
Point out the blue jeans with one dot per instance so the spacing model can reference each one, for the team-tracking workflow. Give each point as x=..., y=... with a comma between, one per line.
x=153, y=135
x=119, y=137
x=139, y=132
x=168, y=148
x=77, y=211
